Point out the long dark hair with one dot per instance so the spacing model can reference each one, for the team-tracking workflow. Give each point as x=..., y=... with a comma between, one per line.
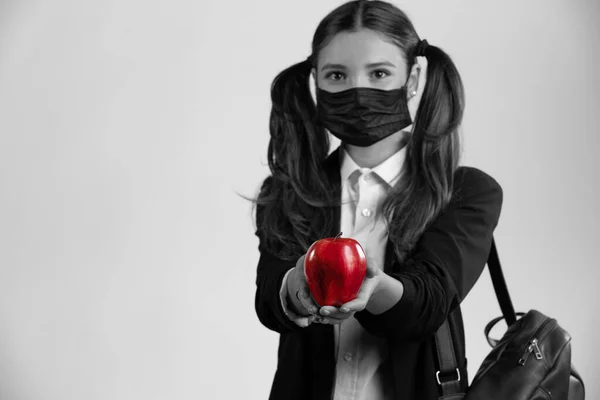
x=294, y=202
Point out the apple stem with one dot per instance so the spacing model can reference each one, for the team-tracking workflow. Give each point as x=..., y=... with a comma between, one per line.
x=338, y=235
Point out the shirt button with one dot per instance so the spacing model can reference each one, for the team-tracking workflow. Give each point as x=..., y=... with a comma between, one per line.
x=367, y=177
x=366, y=212
x=348, y=356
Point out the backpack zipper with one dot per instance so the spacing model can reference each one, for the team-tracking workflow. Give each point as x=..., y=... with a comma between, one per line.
x=533, y=345
x=532, y=348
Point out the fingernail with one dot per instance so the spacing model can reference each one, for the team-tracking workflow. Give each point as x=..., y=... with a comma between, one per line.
x=312, y=310
x=344, y=310
x=325, y=312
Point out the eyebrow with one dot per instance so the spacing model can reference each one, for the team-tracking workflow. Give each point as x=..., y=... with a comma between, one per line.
x=371, y=65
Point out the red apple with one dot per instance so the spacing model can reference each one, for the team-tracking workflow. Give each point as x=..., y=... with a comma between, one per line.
x=335, y=269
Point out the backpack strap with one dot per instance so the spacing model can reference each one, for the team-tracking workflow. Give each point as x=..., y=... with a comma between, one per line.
x=447, y=362
x=443, y=337
x=502, y=294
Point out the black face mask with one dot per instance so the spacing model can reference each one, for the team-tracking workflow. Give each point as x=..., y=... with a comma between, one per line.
x=363, y=116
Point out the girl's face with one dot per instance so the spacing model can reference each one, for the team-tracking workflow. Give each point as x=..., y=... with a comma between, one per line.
x=360, y=59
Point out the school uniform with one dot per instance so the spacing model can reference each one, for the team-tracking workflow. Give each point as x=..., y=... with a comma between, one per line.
x=390, y=355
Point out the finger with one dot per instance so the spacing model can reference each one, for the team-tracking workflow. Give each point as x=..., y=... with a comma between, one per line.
x=330, y=321
x=304, y=294
x=358, y=304
x=372, y=270
x=336, y=320
x=372, y=267
x=361, y=300
x=334, y=312
x=328, y=310
x=306, y=299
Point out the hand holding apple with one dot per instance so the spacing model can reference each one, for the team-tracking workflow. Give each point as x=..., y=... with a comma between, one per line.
x=302, y=302
x=333, y=315
x=298, y=292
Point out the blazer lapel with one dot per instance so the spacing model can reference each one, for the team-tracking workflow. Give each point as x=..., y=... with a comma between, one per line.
x=389, y=257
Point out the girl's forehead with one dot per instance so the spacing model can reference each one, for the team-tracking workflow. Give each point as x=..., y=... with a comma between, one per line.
x=360, y=48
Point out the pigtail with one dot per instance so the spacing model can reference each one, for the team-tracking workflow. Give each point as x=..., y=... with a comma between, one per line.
x=433, y=152
x=298, y=146
x=438, y=120
x=442, y=104
x=293, y=198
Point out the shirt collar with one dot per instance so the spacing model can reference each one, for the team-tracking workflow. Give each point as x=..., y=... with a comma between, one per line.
x=389, y=170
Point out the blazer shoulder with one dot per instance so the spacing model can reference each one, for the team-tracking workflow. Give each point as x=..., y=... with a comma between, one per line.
x=470, y=181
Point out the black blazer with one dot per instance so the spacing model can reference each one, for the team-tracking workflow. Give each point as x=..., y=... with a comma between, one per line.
x=447, y=261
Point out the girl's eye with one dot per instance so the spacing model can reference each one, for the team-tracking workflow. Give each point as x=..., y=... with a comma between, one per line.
x=380, y=74
x=335, y=76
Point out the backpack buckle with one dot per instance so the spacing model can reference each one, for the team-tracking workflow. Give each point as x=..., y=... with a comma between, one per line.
x=437, y=377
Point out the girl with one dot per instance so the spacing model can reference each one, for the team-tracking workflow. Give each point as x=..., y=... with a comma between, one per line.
x=394, y=184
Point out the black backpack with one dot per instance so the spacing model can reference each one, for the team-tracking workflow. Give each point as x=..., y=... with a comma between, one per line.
x=532, y=361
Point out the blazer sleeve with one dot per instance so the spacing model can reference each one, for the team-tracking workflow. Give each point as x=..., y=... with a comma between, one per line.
x=269, y=279
x=448, y=259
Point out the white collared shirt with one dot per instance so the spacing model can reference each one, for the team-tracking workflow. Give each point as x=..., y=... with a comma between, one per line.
x=363, y=369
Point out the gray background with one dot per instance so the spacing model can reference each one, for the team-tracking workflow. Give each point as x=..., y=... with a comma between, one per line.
x=127, y=261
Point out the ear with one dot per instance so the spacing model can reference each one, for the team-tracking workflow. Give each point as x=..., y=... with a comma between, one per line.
x=412, y=83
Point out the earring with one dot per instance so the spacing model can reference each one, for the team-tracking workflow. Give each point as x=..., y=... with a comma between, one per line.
x=413, y=93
